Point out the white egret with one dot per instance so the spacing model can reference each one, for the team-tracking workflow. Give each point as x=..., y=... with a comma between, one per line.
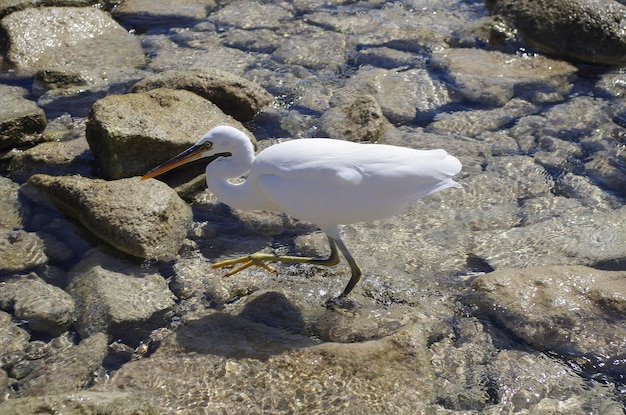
x=320, y=180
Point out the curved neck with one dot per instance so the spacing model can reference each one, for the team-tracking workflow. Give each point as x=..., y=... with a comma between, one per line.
x=235, y=195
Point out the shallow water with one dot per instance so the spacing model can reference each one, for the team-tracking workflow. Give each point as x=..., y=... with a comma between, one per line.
x=535, y=198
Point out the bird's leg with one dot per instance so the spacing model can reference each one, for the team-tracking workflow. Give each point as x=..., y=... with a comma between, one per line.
x=354, y=267
x=259, y=259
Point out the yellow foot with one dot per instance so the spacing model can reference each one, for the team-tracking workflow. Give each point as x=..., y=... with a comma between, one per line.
x=246, y=262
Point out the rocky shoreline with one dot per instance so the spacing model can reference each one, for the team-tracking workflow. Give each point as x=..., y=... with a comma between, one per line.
x=506, y=297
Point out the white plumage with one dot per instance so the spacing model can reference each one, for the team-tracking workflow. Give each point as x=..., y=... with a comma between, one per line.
x=324, y=181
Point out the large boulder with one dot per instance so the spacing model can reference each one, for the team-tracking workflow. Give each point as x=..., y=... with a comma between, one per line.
x=68, y=36
x=144, y=219
x=582, y=30
x=130, y=134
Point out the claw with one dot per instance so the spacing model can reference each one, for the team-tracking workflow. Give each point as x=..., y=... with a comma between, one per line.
x=246, y=262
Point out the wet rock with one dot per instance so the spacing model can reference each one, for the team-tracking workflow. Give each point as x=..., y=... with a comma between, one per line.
x=465, y=122
x=20, y=251
x=236, y=96
x=587, y=238
x=144, y=219
x=493, y=78
x=80, y=403
x=354, y=118
x=44, y=307
x=319, y=50
x=130, y=134
x=123, y=300
x=54, y=158
x=144, y=15
x=403, y=95
x=13, y=339
x=582, y=30
x=70, y=371
x=16, y=5
x=21, y=120
x=224, y=359
x=68, y=36
x=575, y=311
x=9, y=204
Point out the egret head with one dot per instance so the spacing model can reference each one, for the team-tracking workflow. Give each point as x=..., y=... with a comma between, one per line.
x=220, y=141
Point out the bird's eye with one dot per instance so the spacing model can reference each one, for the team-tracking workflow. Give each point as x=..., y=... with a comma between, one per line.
x=206, y=145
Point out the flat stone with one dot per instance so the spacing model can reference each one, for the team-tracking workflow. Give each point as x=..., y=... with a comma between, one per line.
x=572, y=310
x=54, y=158
x=144, y=219
x=70, y=371
x=69, y=36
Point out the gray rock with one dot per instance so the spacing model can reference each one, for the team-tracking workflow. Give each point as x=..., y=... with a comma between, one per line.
x=236, y=96
x=144, y=219
x=467, y=124
x=9, y=204
x=355, y=118
x=70, y=371
x=125, y=301
x=55, y=158
x=21, y=120
x=20, y=251
x=44, y=307
x=69, y=36
x=582, y=30
x=130, y=134
x=80, y=403
x=74, y=89
x=245, y=15
x=13, y=339
x=493, y=78
x=574, y=311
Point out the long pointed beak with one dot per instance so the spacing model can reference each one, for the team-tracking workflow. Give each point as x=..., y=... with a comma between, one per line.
x=191, y=154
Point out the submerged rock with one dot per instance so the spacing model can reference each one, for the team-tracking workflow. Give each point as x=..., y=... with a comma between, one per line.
x=575, y=311
x=125, y=301
x=20, y=251
x=144, y=219
x=73, y=370
x=44, y=307
x=21, y=120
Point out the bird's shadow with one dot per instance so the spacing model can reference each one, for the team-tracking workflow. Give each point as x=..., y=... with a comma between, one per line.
x=268, y=325
x=230, y=228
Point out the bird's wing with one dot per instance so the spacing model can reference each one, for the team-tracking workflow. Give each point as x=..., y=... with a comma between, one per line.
x=331, y=181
